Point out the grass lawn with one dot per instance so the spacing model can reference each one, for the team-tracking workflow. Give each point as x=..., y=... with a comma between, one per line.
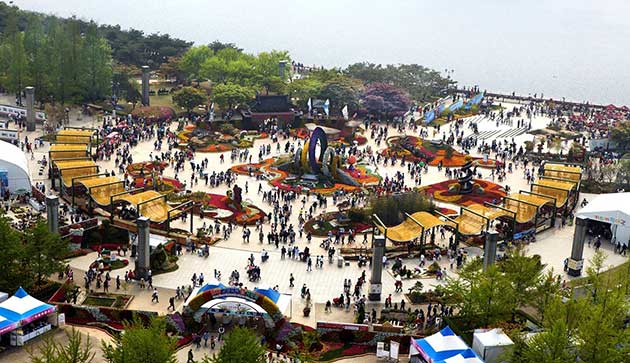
x=99, y=301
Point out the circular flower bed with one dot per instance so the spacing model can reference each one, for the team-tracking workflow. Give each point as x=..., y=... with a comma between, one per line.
x=483, y=191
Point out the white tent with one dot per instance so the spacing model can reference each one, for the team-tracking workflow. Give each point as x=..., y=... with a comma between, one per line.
x=490, y=344
x=14, y=168
x=611, y=208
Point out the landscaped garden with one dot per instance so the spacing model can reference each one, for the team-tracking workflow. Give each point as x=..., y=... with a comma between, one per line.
x=206, y=138
x=447, y=191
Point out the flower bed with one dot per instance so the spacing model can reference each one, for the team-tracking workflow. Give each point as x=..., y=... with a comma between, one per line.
x=484, y=191
x=325, y=226
x=154, y=113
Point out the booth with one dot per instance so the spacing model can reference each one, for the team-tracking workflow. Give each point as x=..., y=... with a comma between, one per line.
x=437, y=347
x=614, y=209
x=491, y=344
x=32, y=317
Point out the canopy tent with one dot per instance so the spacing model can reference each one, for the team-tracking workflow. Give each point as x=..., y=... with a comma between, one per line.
x=150, y=204
x=6, y=325
x=72, y=135
x=14, y=174
x=490, y=344
x=471, y=222
x=525, y=206
x=71, y=169
x=439, y=346
x=563, y=172
x=409, y=230
x=467, y=356
x=66, y=151
x=613, y=208
x=22, y=308
x=101, y=189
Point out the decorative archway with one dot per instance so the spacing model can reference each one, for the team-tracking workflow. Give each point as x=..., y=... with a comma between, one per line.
x=317, y=135
x=249, y=295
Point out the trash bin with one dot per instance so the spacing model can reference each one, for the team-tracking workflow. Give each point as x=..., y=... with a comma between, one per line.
x=339, y=261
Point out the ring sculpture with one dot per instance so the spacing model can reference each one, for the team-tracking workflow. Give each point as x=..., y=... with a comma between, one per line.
x=327, y=162
x=465, y=182
x=318, y=135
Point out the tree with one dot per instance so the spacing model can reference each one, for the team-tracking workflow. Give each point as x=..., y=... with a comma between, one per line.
x=383, y=98
x=43, y=252
x=523, y=273
x=217, y=46
x=16, y=73
x=241, y=345
x=230, y=95
x=97, y=65
x=621, y=134
x=268, y=70
x=37, y=64
x=76, y=350
x=301, y=90
x=550, y=346
x=140, y=344
x=12, y=251
x=189, y=98
x=192, y=60
x=342, y=91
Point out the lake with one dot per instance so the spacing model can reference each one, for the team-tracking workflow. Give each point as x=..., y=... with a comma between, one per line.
x=576, y=49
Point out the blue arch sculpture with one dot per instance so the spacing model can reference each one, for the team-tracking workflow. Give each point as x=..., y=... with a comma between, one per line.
x=317, y=135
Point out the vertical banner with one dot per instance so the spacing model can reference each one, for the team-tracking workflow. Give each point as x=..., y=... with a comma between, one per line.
x=429, y=116
x=456, y=106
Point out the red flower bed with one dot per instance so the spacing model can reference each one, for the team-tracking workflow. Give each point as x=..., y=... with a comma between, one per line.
x=492, y=193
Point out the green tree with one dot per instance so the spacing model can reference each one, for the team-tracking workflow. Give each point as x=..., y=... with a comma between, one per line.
x=188, y=98
x=12, y=251
x=140, y=344
x=17, y=66
x=76, y=350
x=268, y=70
x=301, y=90
x=192, y=60
x=342, y=91
x=97, y=65
x=550, y=346
x=621, y=134
x=241, y=345
x=43, y=252
x=523, y=273
x=230, y=95
x=37, y=64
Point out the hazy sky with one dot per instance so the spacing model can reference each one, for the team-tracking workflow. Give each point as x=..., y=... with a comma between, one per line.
x=573, y=48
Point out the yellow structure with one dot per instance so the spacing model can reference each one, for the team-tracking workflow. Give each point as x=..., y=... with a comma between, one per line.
x=563, y=172
x=101, y=189
x=150, y=204
x=66, y=151
x=409, y=230
x=554, y=188
x=525, y=206
x=77, y=136
x=69, y=169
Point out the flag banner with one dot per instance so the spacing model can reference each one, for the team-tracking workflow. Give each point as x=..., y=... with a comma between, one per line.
x=309, y=104
x=429, y=116
x=327, y=107
x=456, y=106
x=344, y=112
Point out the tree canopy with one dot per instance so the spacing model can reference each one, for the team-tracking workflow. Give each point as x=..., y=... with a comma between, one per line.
x=140, y=344
x=189, y=98
x=241, y=345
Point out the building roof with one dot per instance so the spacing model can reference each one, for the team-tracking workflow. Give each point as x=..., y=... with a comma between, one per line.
x=613, y=208
x=12, y=155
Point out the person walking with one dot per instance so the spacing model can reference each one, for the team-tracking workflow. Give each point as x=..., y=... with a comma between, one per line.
x=171, y=303
x=291, y=279
x=191, y=358
x=154, y=296
x=206, y=335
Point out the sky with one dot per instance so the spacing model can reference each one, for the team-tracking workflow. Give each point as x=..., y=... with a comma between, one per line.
x=572, y=48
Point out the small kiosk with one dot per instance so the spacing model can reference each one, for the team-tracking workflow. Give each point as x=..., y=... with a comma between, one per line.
x=31, y=316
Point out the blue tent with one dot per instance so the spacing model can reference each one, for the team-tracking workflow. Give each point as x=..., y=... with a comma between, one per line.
x=439, y=346
x=22, y=308
x=6, y=325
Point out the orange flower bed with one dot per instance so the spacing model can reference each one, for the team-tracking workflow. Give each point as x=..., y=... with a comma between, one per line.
x=216, y=148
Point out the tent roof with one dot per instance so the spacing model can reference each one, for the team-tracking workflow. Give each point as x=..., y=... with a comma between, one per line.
x=493, y=338
x=22, y=307
x=13, y=155
x=467, y=356
x=611, y=208
x=441, y=345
